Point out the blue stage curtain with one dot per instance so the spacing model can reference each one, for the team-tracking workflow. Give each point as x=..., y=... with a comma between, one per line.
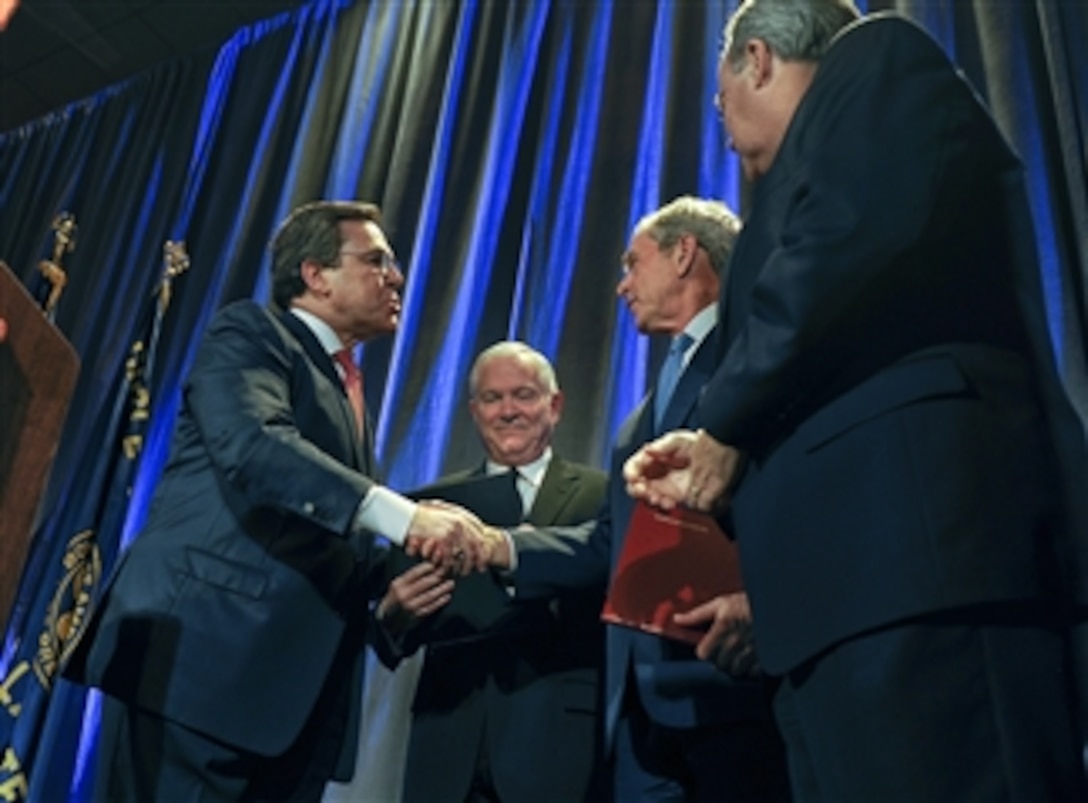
x=512, y=146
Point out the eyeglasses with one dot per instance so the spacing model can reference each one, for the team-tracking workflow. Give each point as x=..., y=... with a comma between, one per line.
x=381, y=261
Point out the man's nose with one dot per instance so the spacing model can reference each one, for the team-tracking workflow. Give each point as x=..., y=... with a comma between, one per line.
x=394, y=277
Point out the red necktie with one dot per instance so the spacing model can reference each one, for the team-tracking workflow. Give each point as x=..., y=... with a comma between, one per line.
x=353, y=384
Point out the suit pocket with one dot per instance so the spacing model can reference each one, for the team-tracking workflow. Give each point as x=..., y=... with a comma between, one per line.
x=908, y=382
x=226, y=574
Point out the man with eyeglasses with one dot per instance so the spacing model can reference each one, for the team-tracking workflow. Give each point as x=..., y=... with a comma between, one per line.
x=506, y=706
x=228, y=640
x=885, y=422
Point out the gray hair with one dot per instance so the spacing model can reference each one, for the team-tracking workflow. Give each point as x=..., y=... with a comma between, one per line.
x=312, y=231
x=711, y=223
x=545, y=374
x=795, y=30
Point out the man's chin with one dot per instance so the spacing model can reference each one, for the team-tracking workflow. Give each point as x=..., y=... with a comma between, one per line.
x=513, y=454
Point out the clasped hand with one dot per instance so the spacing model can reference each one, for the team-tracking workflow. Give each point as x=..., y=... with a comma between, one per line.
x=683, y=468
x=451, y=538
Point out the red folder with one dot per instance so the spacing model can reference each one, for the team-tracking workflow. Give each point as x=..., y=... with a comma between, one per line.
x=671, y=562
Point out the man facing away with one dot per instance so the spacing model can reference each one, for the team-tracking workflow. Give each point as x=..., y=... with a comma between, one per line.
x=677, y=728
x=228, y=637
x=508, y=712
x=886, y=418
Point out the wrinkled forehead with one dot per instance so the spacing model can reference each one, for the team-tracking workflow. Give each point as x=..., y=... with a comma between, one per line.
x=510, y=370
x=642, y=243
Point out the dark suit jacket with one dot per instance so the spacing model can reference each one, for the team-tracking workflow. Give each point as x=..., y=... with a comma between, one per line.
x=528, y=691
x=676, y=688
x=226, y=612
x=887, y=365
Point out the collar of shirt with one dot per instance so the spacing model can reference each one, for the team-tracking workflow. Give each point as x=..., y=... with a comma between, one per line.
x=532, y=472
x=322, y=331
x=699, y=327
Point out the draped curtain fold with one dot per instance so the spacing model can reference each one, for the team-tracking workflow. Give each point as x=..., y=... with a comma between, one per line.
x=511, y=145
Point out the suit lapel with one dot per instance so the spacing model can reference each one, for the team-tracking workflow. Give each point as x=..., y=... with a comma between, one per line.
x=324, y=364
x=556, y=490
x=367, y=447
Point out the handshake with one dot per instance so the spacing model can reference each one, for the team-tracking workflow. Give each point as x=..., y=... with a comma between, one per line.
x=455, y=540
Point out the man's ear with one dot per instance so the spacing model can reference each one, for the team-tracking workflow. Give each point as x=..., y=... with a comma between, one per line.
x=313, y=276
x=760, y=60
x=686, y=248
x=557, y=404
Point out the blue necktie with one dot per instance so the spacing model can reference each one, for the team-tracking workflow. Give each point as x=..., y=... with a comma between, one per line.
x=671, y=369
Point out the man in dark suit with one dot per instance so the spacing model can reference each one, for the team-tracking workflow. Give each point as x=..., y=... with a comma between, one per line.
x=887, y=375
x=227, y=641
x=678, y=728
x=507, y=708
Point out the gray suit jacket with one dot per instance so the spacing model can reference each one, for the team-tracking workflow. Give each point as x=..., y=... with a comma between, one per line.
x=528, y=691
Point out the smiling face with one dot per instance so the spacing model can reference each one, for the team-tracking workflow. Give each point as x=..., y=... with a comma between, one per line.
x=360, y=296
x=514, y=410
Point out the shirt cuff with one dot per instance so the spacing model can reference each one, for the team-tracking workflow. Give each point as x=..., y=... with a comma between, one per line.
x=385, y=512
x=511, y=550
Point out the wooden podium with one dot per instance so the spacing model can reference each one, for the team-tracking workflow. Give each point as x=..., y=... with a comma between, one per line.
x=38, y=369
